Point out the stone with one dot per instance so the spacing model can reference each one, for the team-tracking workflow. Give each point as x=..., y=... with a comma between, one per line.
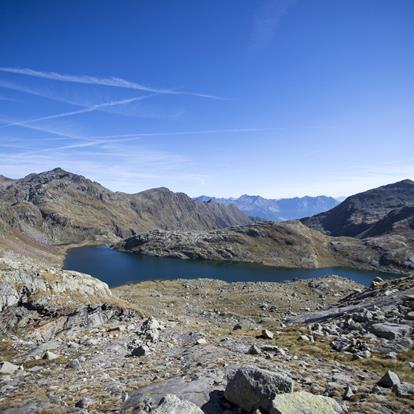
x=389, y=380
x=303, y=402
x=390, y=330
x=201, y=341
x=306, y=338
x=403, y=389
x=83, y=403
x=49, y=355
x=251, y=388
x=8, y=368
x=74, y=364
x=171, y=404
x=254, y=350
x=267, y=334
x=349, y=393
x=140, y=351
x=391, y=355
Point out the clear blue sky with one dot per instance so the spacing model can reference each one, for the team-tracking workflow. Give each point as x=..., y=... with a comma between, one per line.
x=271, y=97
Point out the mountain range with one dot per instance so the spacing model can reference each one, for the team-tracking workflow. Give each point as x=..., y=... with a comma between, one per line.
x=276, y=209
x=42, y=214
x=57, y=207
x=371, y=230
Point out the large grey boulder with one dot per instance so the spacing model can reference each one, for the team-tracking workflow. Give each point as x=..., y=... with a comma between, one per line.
x=7, y=368
x=389, y=379
x=303, y=402
x=251, y=388
x=171, y=404
x=403, y=389
x=390, y=330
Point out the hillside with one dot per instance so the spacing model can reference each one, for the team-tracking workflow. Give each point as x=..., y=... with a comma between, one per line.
x=57, y=207
x=289, y=244
x=276, y=209
x=70, y=345
x=356, y=215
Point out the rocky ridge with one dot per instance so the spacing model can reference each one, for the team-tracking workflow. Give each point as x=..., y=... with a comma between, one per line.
x=288, y=244
x=367, y=214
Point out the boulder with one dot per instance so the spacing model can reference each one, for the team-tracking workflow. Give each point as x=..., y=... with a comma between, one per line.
x=251, y=388
x=49, y=355
x=403, y=389
x=8, y=368
x=303, y=402
x=267, y=334
x=389, y=380
x=390, y=330
x=140, y=351
x=254, y=350
x=171, y=404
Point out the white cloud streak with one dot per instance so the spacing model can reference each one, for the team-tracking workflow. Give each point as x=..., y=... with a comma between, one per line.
x=92, y=108
x=94, y=80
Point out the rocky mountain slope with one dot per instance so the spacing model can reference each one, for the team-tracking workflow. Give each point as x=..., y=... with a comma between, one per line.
x=204, y=346
x=289, y=244
x=57, y=207
x=359, y=214
x=276, y=209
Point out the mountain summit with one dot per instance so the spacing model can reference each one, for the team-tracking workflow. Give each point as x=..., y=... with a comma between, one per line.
x=358, y=213
x=59, y=207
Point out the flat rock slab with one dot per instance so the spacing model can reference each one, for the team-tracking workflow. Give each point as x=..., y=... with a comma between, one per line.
x=203, y=392
x=390, y=330
x=303, y=402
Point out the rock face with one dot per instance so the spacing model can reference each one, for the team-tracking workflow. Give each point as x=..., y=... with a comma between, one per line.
x=276, y=209
x=289, y=244
x=58, y=207
x=361, y=213
x=45, y=302
x=251, y=388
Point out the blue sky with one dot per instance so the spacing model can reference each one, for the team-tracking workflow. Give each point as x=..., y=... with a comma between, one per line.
x=272, y=97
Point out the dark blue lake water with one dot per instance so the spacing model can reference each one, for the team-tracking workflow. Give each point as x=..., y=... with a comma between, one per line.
x=117, y=268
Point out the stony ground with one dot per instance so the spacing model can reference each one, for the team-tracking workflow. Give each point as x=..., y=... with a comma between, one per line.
x=194, y=333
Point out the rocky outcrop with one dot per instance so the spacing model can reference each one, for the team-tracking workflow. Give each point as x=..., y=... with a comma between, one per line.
x=289, y=244
x=374, y=320
x=46, y=302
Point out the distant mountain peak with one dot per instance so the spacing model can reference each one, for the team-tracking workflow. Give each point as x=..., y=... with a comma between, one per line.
x=276, y=209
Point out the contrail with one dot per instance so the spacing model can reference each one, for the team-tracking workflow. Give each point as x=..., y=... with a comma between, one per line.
x=94, y=80
x=80, y=111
